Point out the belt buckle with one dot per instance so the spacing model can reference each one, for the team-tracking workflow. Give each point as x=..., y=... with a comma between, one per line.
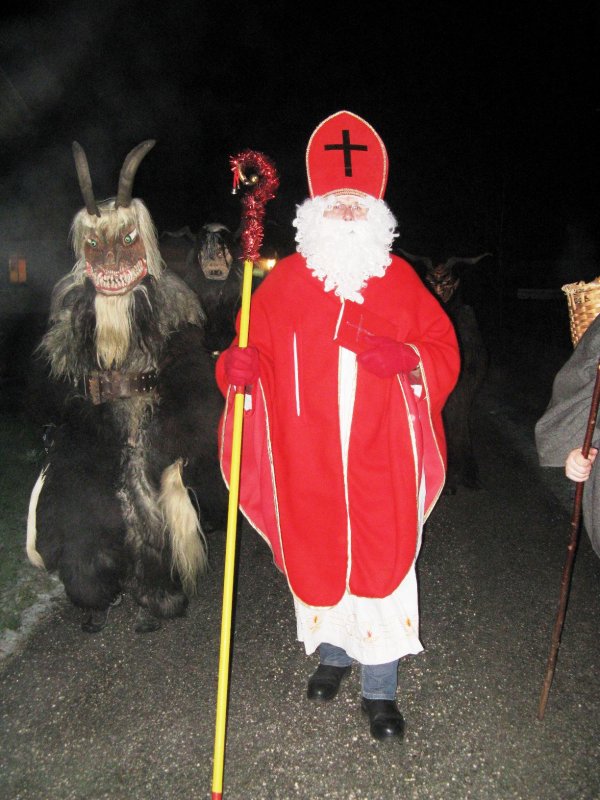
x=115, y=384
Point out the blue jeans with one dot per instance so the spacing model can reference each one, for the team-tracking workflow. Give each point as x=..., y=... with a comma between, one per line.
x=378, y=681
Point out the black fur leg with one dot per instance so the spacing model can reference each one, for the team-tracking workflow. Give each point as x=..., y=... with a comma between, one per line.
x=95, y=621
x=452, y=482
x=146, y=622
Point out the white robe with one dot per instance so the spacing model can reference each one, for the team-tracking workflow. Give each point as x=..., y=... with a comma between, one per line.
x=370, y=630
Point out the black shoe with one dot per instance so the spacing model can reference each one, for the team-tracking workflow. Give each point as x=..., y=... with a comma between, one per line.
x=384, y=718
x=145, y=622
x=94, y=621
x=324, y=683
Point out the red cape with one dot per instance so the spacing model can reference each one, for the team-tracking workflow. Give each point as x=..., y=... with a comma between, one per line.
x=292, y=487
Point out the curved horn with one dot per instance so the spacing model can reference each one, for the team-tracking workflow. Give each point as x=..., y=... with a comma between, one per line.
x=128, y=170
x=85, y=179
x=424, y=259
x=459, y=260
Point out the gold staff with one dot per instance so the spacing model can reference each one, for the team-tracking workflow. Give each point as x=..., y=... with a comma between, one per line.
x=254, y=170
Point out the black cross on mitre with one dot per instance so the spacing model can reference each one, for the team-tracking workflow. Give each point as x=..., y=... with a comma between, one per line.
x=347, y=148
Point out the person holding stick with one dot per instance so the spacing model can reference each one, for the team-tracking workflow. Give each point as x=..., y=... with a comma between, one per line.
x=349, y=362
x=578, y=468
x=561, y=429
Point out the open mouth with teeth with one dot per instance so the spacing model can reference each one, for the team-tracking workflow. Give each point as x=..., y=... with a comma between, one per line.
x=112, y=281
x=216, y=274
x=215, y=269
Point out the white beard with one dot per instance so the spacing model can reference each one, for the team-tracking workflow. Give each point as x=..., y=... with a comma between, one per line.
x=345, y=254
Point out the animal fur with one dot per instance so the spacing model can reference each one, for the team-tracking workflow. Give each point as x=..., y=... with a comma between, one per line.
x=444, y=281
x=116, y=507
x=213, y=271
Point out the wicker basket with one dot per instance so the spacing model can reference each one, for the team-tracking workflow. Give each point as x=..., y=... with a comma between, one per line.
x=584, y=306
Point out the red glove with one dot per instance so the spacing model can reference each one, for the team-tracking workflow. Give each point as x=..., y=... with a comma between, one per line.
x=241, y=365
x=387, y=357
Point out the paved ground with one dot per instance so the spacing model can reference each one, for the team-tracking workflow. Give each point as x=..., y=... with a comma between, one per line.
x=131, y=717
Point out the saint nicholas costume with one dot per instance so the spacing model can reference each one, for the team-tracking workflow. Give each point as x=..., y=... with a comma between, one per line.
x=340, y=467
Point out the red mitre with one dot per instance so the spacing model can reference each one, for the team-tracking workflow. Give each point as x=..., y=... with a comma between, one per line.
x=345, y=155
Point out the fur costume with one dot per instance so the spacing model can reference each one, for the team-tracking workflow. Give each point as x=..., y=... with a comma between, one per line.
x=130, y=394
x=214, y=271
x=443, y=279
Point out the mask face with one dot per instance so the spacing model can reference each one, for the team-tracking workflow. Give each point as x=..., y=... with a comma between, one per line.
x=442, y=281
x=216, y=266
x=214, y=257
x=115, y=263
x=114, y=253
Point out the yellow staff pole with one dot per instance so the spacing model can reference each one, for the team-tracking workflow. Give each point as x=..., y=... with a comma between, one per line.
x=264, y=181
x=232, y=515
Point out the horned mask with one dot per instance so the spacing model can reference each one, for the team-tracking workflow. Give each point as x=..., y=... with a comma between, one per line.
x=115, y=240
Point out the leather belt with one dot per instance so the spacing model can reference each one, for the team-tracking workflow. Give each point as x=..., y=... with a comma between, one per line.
x=102, y=387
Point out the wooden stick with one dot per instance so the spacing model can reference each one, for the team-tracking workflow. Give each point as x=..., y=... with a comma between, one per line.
x=571, y=549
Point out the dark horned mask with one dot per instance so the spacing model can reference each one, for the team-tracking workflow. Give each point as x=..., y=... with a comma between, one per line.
x=128, y=170
x=118, y=244
x=214, y=252
x=442, y=280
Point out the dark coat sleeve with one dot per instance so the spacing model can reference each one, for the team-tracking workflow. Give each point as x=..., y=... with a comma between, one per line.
x=563, y=425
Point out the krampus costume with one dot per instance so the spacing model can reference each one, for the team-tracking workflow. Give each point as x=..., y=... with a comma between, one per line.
x=136, y=422
x=214, y=271
x=444, y=281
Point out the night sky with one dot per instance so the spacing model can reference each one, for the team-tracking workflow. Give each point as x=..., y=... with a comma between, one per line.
x=490, y=114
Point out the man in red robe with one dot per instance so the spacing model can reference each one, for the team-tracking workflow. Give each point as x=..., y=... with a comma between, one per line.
x=349, y=362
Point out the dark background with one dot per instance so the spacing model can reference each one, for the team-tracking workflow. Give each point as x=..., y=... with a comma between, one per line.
x=489, y=112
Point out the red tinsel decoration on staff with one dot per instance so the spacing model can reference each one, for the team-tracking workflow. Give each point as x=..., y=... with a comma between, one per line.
x=256, y=170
